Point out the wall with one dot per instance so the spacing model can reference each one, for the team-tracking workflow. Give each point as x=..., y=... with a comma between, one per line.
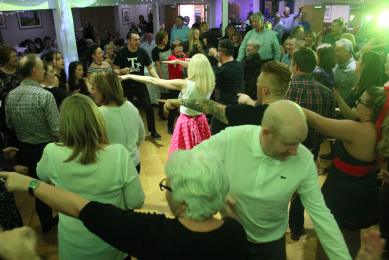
x=245, y=7
x=135, y=11
x=13, y=35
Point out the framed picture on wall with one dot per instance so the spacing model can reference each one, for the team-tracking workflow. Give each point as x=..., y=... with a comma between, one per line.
x=126, y=16
x=29, y=19
x=3, y=23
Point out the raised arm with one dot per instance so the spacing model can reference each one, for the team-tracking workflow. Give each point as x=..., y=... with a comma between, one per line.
x=60, y=200
x=175, y=84
x=205, y=106
x=345, y=110
x=345, y=130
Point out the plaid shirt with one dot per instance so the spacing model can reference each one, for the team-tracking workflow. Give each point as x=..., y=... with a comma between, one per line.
x=32, y=112
x=312, y=95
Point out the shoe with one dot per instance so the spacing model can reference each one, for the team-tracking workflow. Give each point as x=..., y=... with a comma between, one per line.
x=296, y=235
x=155, y=136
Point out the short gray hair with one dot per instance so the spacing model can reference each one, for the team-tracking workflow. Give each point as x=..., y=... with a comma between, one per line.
x=198, y=180
x=345, y=43
x=255, y=43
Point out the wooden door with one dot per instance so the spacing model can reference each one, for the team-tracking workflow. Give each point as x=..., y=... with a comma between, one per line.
x=315, y=16
x=171, y=12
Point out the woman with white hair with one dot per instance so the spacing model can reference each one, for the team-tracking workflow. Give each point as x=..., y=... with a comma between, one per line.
x=191, y=126
x=196, y=188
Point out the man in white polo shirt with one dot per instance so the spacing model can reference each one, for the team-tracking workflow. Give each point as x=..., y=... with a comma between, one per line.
x=266, y=165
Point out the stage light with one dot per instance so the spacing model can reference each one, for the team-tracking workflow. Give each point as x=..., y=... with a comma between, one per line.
x=383, y=19
x=369, y=17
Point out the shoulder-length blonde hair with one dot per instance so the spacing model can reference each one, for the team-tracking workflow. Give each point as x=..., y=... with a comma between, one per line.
x=201, y=72
x=81, y=128
x=109, y=86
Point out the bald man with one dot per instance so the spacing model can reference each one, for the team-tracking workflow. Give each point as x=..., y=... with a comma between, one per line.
x=31, y=112
x=266, y=165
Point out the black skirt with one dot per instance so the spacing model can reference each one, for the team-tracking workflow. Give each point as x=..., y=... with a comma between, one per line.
x=354, y=201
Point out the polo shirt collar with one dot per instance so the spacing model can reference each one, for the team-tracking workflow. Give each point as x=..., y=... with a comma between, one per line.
x=29, y=82
x=257, y=149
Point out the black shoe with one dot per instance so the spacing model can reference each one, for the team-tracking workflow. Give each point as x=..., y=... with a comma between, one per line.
x=296, y=235
x=155, y=136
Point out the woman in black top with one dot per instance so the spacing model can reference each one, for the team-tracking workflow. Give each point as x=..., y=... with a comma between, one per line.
x=76, y=78
x=9, y=79
x=196, y=188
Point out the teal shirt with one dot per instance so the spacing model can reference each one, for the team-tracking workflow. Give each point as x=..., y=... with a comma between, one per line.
x=269, y=45
x=111, y=179
x=263, y=187
x=125, y=126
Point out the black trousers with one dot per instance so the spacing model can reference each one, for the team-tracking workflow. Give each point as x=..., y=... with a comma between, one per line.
x=296, y=210
x=29, y=155
x=174, y=112
x=384, y=220
x=275, y=250
x=143, y=97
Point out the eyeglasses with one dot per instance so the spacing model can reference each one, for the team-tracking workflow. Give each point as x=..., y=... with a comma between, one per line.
x=359, y=101
x=163, y=186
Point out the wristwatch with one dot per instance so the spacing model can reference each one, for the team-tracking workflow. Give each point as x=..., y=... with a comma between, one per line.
x=34, y=183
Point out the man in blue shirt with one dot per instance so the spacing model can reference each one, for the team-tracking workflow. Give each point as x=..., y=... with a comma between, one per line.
x=180, y=31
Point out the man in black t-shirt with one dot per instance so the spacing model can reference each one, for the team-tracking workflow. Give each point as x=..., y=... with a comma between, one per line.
x=272, y=84
x=229, y=80
x=133, y=59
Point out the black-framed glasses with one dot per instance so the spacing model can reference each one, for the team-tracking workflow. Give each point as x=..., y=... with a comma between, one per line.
x=163, y=185
x=359, y=101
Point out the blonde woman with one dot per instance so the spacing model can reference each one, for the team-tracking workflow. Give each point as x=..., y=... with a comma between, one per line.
x=191, y=126
x=122, y=118
x=195, y=45
x=109, y=53
x=85, y=163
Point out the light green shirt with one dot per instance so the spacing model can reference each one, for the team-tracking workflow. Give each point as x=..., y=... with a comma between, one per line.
x=111, y=179
x=269, y=45
x=262, y=187
x=125, y=126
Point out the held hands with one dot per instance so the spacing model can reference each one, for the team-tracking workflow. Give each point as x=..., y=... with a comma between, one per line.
x=245, y=99
x=372, y=246
x=384, y=176
x=125, y=71
x=171, y=104
x=229, y=208
x=10, y=152
x=15, y=181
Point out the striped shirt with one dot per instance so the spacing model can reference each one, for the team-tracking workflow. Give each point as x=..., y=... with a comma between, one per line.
x=96, y=69
x=32, y=112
